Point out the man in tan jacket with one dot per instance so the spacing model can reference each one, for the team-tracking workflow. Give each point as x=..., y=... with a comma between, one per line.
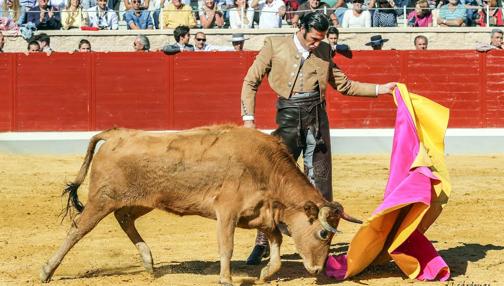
x=299, y=67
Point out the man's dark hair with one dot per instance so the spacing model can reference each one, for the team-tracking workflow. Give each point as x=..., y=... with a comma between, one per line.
x=43, y=37
x=32, y=43
x=420, y=37
x=315, y=20
x=84, y=41
x=333, y=30
x=180, y=31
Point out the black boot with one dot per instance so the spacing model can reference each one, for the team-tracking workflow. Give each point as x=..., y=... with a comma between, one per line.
x=257, y=254
x=261, y=249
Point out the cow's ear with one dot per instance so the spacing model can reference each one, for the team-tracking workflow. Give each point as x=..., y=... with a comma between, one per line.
x=278, y=212
x=311, y=211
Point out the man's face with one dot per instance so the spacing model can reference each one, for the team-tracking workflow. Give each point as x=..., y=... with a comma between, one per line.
x=453, y=2
x=137, y=45
x=199, y=40
x=238, y=46
x=496, y=40
x=332, y=39
x=314, y=3
x=33, y=49
x=377, y=46
x=177, y=3
x=43, y=3
x=357, y=7
x=85, y=48
x=102, y=4
x=421, y=44
x=136, y=4
x=185, y=39
x=311, y=40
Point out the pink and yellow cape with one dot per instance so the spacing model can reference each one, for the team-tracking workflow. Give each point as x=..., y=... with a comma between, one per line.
x=418, y=187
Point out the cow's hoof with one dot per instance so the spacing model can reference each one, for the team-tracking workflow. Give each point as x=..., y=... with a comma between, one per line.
x=265, y=274
x=225, y=282
x=45, y=275
x=149, y=267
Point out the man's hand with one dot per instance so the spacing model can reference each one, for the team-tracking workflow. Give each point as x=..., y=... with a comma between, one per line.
x=249, y=124
x=387, y=88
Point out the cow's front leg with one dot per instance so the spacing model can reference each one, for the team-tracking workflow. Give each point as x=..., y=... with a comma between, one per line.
x=225, y=236
x=275, y=239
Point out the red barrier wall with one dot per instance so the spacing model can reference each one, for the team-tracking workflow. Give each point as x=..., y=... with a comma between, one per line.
x=68, y=92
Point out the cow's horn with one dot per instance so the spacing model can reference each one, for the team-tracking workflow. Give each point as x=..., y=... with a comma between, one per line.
x=350, y=218
x=322, y=217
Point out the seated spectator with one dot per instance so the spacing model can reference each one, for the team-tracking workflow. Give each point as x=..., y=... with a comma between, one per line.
x=421, y=16
x=45, y=16
x=102, y=17
x=376, y=42
x=2, y=42
x=385, y=15
x=421, y=42
x=182, y=36
x=290, y=7
x=73, y=17
x=141, y=44
x=271, y=13
x=128, y=4
x=357, y=17
x=239, y=21
x=33, y=47
x=311, y=6
x=332, y=38
x=137, y=18
x=44, y=43
x=13, y=12
x=238, y=41
x=201, y=45
x=84, y=46
x=452, y=14
x=178, y=14
x=496, y=42
x=495, y=15
x=210, y=15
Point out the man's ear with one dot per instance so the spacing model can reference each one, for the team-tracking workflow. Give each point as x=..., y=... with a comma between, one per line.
x=311, y=211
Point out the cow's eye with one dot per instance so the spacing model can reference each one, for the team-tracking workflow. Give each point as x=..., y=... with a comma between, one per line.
x=323, y=234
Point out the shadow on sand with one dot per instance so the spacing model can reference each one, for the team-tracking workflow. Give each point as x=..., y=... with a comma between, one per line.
x=458, y=257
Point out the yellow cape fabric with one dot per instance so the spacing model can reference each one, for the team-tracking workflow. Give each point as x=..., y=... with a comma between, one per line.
x=383, y=232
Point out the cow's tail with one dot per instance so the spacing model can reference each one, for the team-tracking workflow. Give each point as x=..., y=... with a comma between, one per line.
x=72, y=187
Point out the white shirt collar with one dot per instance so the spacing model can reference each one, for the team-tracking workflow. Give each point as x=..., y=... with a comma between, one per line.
x=304, y=52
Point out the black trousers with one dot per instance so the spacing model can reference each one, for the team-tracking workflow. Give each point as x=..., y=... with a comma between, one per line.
x=294, y=119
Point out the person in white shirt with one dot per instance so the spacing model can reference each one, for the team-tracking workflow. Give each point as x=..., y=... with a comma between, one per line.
x=241, y=16
x=100, y=16
x=357, y=17
x=272, y=12
x=200, y=44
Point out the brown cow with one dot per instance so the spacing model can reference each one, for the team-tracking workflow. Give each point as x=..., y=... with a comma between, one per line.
x=237, y=176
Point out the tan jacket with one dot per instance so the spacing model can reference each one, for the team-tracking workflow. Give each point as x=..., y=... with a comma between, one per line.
x=280, y=59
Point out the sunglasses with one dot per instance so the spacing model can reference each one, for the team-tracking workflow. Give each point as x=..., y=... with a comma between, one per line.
x=198, y=39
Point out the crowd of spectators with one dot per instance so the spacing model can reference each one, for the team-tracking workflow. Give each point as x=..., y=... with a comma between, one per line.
x=182, y=36
x=236, y=14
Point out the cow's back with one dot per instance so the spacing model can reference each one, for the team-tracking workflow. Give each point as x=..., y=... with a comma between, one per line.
x=184, y=172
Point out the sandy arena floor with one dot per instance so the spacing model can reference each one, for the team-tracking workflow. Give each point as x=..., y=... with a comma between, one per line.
x=469, y=234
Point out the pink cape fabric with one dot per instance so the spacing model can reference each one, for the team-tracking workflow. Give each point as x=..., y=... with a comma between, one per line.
x=409, y=185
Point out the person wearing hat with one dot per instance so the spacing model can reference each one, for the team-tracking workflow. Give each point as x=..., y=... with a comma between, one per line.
x=299, y=68
x=376, y=42
x=238, y=40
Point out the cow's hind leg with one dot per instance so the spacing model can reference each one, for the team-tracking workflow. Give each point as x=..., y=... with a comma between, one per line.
x=274, y=264
x=226, y=225
x=126, y=217
x=89, y=218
